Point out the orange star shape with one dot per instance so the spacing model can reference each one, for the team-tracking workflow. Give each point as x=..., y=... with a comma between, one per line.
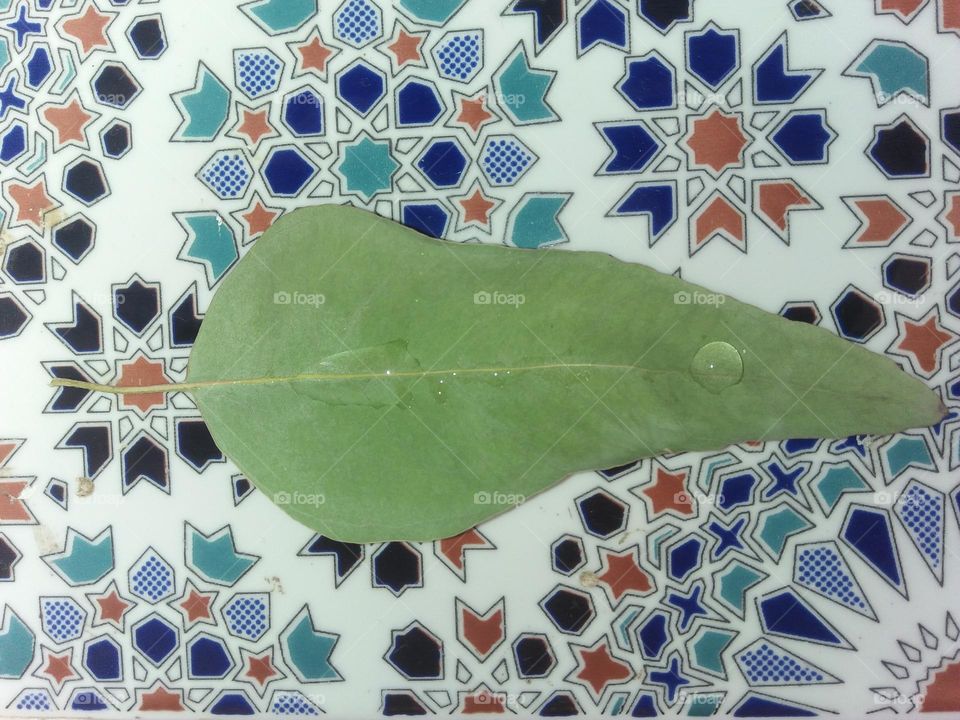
x=924, y=340
x=260, y=668
x=476, y=207
x=717, y=141
x=621, y=574
x=406, y=47
x=253, y=125
x=474, y=113
x=57, y=668
x=68, y=121
x=89, y=29
x=110, y=607
x=31, y=201
x=597, y=668
x=160, y=698
x=142, y=372
x=312, y=55
x=258, y=218
x=668, y=493
x=196, y=605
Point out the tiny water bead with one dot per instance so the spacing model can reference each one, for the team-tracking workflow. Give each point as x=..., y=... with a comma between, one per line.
x=717, y=366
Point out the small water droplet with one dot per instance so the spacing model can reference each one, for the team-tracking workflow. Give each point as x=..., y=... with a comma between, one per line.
x=717, y=366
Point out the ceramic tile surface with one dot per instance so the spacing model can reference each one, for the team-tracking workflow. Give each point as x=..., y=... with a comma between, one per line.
x=802, y=156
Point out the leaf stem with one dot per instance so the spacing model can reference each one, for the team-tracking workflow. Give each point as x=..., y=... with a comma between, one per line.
x=328, y=377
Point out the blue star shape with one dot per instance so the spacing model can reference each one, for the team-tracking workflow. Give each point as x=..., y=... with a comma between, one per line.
x=689, y=605
x=729, y=537
x=9, y=99
x=24, y=26
x=783, y=479
x=670, y=679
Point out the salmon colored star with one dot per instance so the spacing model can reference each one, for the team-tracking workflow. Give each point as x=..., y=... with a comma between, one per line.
x=476, y=207
x=57, y=667
x=142, y=372
x=260, y=668
x=312, y=55
x=668, y=493
x=922, y=341
x=950, y=217
x=110, y=607
x=716, y=141
x=31, y=202
x=89, y=29
x=253, y=125
x=406, y=48
x=621, y=575
x=259, y=218
x=68, y=121
x=597, y=668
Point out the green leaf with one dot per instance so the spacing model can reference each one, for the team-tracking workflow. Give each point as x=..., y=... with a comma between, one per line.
x=381, y=385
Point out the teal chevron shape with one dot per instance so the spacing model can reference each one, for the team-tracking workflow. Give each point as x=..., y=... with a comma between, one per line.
x=84, y=561
x=16, y=646
x=210, y=242
x=215, y=558
x=835, y=482
x=280, y=16
x=204, y=107
x=905, y=452
x=4, y=52
x=894, y=69
x=776, y=525
x=308, y=650
x=534, y=222
x=435, y=12
x=731, y=585
x=706, y=649
x=522, y=90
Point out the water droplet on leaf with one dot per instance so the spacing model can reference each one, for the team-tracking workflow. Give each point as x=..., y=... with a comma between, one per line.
x=717, y=366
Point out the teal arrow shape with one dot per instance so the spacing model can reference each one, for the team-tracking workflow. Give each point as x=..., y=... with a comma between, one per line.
x=894, y=69
x=280, y=16
x=522, y=90
x=85, y=560
x=433, y=12
x=214, y=557
x=204, y=107
x=307, y=650
x=16, y=646
x=535, y=221
x=210, y=242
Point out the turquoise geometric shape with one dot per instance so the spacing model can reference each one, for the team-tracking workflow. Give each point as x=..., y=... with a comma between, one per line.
x=280, y=16
x=204, y=107
x=732, y=583
x=432, y=12
x=214, y=557
x=777, y=525
x=907, y=451
x=894, y=69
x=836, y=481
x=764, y=663
x=307, y=650
x=85, y=560
x=16, y=645
x=534, y=222
x=522, y=90
x=4, y=52
x=210, y=242
x=367, y=167
x=705, y=649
